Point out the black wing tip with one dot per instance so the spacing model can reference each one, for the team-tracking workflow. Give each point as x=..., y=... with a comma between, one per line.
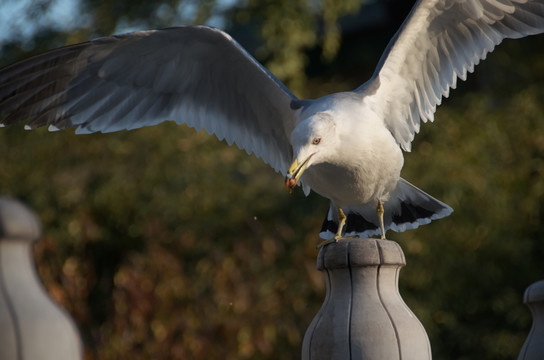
x=411, y=216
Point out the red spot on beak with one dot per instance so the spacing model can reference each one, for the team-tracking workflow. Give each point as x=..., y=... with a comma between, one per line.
x=290, y=183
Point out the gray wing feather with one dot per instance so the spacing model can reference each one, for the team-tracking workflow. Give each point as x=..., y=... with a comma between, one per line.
x=440, y=41
x=195, y=75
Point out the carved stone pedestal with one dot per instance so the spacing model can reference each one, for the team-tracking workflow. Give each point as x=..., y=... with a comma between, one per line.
x=32, y=325
x=533, y=349
x=363, y=315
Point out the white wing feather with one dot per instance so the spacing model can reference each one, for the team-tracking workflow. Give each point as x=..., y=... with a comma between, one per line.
x=194, y=75
x=440, y=41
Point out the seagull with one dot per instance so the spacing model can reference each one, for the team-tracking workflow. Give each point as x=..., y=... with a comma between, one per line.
x=347, y=146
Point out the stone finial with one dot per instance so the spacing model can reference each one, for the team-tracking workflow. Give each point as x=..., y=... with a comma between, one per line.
x=32, y=325
x=533, y=348
x=17, y=221
x=363, y=315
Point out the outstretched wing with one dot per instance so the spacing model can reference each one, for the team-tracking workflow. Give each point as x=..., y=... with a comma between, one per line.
x=194, y=75
x=439, y=41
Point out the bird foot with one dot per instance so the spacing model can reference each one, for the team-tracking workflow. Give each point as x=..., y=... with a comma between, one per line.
x=326, y=242
x=335, y=239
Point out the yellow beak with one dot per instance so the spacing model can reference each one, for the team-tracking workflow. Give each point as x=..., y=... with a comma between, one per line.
x=295, y=172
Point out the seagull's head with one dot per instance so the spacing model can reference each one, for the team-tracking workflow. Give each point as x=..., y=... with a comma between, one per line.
x=313, y=140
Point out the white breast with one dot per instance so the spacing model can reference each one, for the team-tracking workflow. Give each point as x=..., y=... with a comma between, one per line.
x=362, y=172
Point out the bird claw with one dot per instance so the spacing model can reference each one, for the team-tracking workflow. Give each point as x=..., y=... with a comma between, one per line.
x=335, y=239
x=326, y=242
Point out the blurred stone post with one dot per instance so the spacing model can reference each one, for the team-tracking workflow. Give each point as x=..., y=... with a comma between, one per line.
x=363, y=315
x=32, y=325
x=533, y=348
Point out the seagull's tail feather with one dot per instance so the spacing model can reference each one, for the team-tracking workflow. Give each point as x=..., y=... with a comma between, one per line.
x=407, y=208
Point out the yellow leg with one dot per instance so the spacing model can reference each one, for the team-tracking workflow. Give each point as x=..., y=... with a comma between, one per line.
x=341, y=223
x=379, y=212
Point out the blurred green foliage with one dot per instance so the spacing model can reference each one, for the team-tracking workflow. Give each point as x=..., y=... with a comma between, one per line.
x=164, y=243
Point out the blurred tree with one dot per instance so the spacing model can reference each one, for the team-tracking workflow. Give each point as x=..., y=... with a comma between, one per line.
x=165, y=243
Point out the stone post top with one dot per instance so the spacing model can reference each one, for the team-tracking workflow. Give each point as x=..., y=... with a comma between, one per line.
x=358, y=252
x=18, y=222
x=534, y=293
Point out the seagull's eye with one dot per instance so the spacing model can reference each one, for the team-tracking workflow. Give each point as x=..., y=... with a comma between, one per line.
x=316, y=141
